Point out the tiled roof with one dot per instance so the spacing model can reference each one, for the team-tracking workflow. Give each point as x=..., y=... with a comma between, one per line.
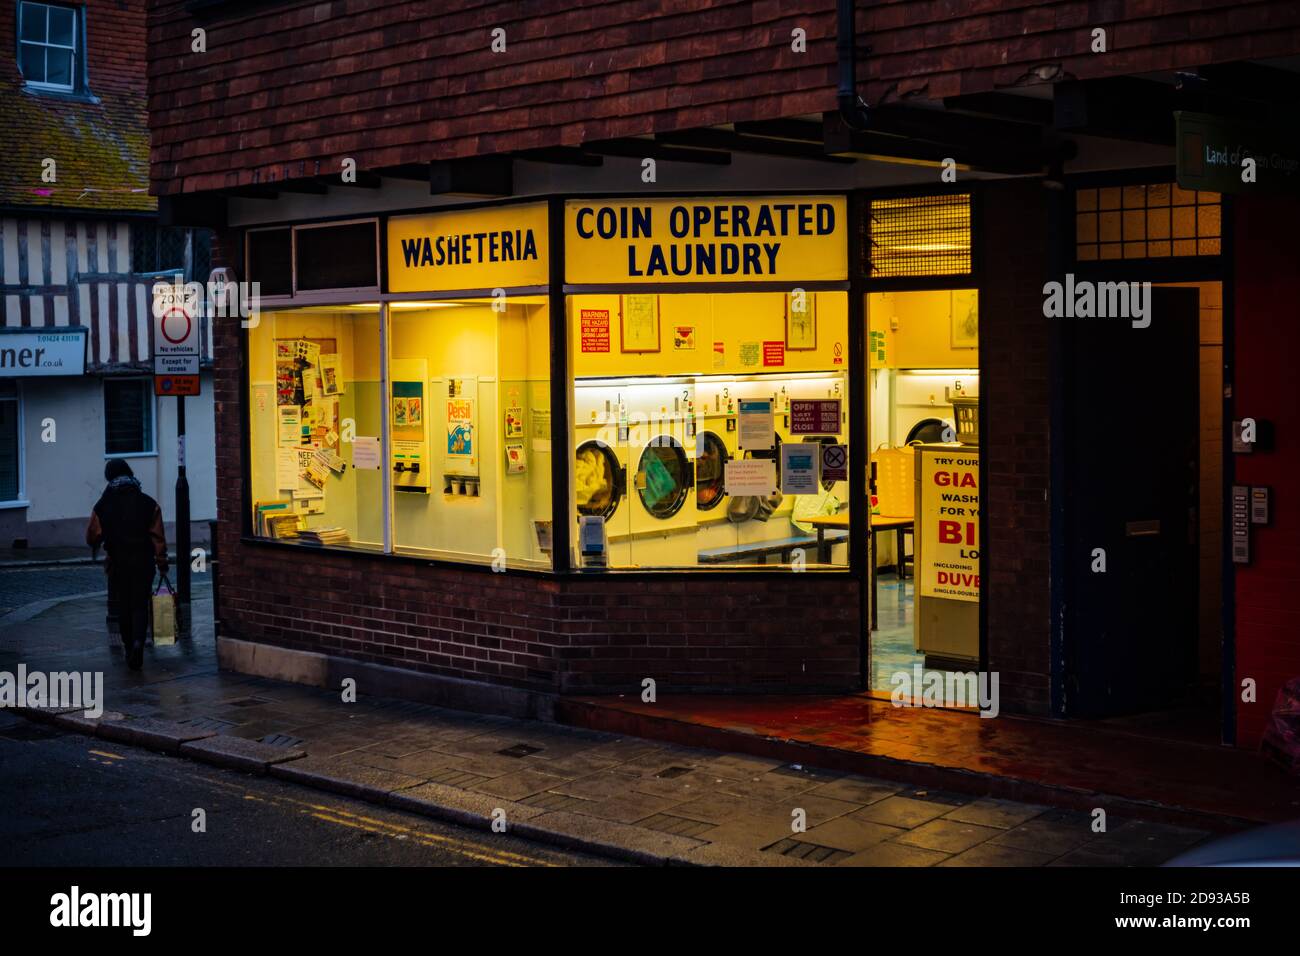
x=100, y=144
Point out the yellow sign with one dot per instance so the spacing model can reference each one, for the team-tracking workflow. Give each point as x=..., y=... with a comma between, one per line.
x=497, y=247
x=775, y=238
x=948, y=563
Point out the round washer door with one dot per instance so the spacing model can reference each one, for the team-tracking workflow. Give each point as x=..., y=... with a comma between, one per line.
x=663, y=477
x=597, y=478
x=710, y=470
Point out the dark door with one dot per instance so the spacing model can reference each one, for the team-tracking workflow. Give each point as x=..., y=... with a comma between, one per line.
x=1130, y=445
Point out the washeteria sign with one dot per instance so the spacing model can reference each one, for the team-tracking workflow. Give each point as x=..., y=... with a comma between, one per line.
x=32, y=352
x=490, y=248
x=769, y=239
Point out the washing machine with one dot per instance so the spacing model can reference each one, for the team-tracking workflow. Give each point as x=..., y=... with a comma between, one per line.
x=711, y=457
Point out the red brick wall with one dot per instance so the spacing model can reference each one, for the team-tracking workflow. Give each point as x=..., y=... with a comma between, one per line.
x=391, y=82
x=795, y=632
x=1266, y=337
x=299, y=86
x=938, y=48
x=1015, y=440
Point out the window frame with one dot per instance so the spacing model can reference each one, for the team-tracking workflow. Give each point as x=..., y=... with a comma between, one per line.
x=151, y=403
x=76, y=81
x=20, y=495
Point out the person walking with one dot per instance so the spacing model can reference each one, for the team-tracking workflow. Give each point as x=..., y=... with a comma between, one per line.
x=129, y=525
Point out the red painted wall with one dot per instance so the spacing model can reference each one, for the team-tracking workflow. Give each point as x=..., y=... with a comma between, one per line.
x=1267, y=341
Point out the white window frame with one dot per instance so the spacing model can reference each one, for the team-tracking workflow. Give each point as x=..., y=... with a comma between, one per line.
x=153, y=424
x=75, y=73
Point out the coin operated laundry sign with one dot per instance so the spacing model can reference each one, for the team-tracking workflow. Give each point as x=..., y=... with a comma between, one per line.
x=176, y=311
x=775, y=238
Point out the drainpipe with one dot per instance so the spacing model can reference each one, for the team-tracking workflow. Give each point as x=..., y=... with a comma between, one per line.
x=853, y=109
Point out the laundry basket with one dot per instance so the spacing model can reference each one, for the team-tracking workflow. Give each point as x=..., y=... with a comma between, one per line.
x=894, y=472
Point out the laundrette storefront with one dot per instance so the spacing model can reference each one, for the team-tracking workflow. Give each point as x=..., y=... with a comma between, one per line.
x=561, y=444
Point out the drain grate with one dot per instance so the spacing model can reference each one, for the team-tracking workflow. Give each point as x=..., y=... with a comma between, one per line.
x=812, y=852
x=281, y=740
x=520, y=750
x=668, y=773
x=207, y=723
x=680, y=826
x=452, y=777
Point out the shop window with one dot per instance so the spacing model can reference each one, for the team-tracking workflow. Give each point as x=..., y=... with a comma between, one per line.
x=469, y=414
x=919, y=236
x=48, y=50
x=316, y=426
x=682, y=403
x=1154, y=221
x=10, y=450
x=342, y=256
x=128, y=416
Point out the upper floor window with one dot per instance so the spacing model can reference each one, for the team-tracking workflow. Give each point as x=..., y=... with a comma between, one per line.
x=47, y=46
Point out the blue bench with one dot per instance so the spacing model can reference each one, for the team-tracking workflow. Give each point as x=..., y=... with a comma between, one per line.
x=761, y=549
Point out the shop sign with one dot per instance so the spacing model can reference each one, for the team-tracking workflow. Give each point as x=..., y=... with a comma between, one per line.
x=1212, y=154
x=499, y=247
x=948, y=557
x=774, y=238
x=26, y=353
x=595, y=330
x=817, y=416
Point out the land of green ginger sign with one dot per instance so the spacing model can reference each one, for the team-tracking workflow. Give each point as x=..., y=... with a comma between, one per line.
x=790, y=239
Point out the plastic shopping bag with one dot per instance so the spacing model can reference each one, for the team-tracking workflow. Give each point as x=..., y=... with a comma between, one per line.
x=164, y=613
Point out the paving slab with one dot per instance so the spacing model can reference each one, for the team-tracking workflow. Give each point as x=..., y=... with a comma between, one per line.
x=947, y=836
x=226, y=750
x=619, y=840
x=460, y=806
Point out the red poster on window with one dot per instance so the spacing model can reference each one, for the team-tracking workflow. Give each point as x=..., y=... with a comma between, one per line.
x=595, y=330
x=774, y=353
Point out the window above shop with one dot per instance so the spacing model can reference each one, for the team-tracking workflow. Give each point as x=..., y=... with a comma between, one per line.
x=327, y=257
x=919, y=236
x=1146, y=221
x=49, y=54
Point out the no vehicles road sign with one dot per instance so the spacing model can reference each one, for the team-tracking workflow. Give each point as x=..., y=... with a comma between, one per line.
x=175, y=336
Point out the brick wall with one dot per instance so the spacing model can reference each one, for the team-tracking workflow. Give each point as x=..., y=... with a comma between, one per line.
x=1015, y=447
x=1267, y=339
x=794, y=632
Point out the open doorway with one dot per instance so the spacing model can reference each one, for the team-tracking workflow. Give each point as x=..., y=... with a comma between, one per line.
x=923, y=430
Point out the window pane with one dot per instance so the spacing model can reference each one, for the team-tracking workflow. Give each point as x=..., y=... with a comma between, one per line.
x=469, y=411
x=58, y=65
x=32, y=61
x=128, y=416
x=314, y=381
x=8, y=449
x=61, y=21
x=337, y=257
x=270, y=261
x=656, y=428
x=33, y=15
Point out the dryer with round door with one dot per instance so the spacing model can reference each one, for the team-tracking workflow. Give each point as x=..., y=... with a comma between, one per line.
x=600, y=480
x=711, y=457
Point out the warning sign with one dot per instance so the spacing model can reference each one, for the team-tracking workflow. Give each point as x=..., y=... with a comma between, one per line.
x=774, y=354
x=595, y=330
x=835, y=463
